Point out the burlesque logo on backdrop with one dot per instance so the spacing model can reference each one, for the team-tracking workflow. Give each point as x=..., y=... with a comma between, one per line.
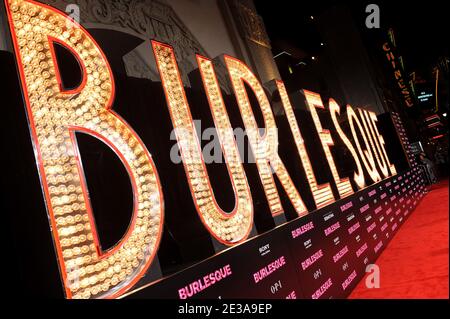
x=55, y=116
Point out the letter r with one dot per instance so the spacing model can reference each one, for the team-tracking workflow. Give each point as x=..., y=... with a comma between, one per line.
x=264, y=147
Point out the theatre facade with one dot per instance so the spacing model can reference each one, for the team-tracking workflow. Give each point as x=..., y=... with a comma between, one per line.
x=158, y=154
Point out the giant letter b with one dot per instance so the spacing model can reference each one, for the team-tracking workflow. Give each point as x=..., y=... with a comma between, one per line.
x=55, y=114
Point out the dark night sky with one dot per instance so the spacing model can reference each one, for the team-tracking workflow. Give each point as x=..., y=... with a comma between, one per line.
x=421, y=31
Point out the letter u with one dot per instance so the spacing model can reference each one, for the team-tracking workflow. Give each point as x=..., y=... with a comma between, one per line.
x=227, y=227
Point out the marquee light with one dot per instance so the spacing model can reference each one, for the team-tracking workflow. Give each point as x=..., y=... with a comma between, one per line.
x=366, y=155
x=55, y=116
x=358, y=177
x=343, y=184
x=264, y=147
x=396, y=63
x=322, y=194
x=228, y=228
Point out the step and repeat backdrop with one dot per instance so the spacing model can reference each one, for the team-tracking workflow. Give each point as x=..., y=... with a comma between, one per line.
x=322, y=255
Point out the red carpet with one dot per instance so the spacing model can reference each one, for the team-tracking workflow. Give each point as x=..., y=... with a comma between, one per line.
x=415, y=263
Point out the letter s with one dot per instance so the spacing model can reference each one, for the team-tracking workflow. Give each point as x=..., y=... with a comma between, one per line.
x=54, y=115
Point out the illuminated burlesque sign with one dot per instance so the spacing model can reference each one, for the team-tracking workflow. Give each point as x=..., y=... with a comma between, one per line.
x=56, y=114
